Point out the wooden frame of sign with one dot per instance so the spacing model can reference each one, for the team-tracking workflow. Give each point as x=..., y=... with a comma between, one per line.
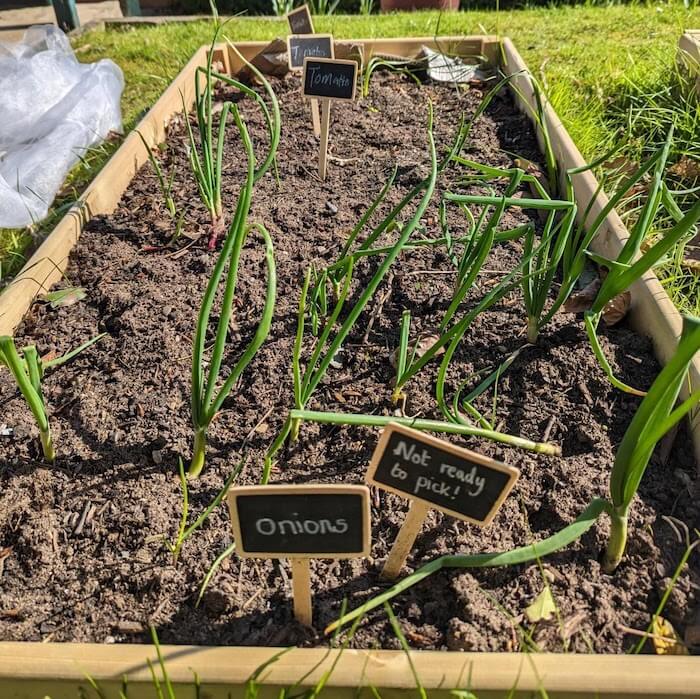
x=325, y=99
x=419, y=506
x=304, y=38
x=299, y=559
x=300, y=21
x=307, y=38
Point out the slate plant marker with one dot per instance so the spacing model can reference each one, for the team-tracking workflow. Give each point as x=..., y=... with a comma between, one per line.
x=301, y=522
x=433, y=473
x=299, y=46
x=328, y=79
x=300, y=21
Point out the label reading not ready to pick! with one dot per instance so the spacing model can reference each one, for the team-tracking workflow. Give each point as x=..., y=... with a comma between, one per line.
x=457, y=481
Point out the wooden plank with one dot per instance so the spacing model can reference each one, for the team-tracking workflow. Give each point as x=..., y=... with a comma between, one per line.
x=31, y=670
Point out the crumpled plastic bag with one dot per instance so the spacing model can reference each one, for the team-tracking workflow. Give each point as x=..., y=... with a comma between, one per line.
x=448, y=69
x=52, y=110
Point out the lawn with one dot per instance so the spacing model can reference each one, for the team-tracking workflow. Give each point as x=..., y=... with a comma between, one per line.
x=609, y=71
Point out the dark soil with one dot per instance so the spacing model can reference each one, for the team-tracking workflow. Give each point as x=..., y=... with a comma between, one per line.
x=82, y=542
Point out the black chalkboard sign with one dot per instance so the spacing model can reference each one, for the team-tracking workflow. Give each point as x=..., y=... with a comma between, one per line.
x=457, y=481
x=302, y=46
x=300, y=21
x=329, y=78
x=301, y=521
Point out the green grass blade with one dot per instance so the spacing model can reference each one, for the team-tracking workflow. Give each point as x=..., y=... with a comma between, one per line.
x=58, y=361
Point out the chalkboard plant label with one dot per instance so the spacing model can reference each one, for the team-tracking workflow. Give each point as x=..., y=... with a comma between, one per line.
x=303, y=46
x=301, y=522
x=329, y=78
x=300, y=20
x=435, y=474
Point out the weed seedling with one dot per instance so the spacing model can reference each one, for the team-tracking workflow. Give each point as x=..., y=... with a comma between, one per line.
x=184, y=532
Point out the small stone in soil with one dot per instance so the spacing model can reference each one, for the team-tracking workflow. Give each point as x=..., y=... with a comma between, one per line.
x=214, y=602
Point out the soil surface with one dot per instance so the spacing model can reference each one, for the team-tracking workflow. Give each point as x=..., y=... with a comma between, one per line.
x=82, y=555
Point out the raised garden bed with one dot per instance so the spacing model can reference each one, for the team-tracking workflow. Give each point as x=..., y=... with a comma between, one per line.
x=689, y=54
x=121, y=417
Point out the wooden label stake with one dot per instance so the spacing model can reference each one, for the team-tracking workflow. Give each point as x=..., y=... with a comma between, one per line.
x=328, y=79
x=316, y=118
x=412, y=525
x=300, y=522
x=325, y=126
x=301, y=590
x=433, y=473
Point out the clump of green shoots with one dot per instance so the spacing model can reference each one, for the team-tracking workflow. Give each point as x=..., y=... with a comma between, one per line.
x=282, y=7
x=28, y=370
x=184, y=532
x=206, y=157
x=323, y=7
x=629, y=265
x=656, y=415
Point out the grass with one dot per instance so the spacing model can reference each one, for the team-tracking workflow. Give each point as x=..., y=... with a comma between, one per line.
x=604, y=68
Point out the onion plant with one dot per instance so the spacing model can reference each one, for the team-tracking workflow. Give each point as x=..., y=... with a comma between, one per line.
x=207, y=395
x=451, y=329
x=326, y=348
x=206, y=156
x=656, y=415
x=28, y=370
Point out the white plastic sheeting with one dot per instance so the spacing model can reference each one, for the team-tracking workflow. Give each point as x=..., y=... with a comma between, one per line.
x=52, y=109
